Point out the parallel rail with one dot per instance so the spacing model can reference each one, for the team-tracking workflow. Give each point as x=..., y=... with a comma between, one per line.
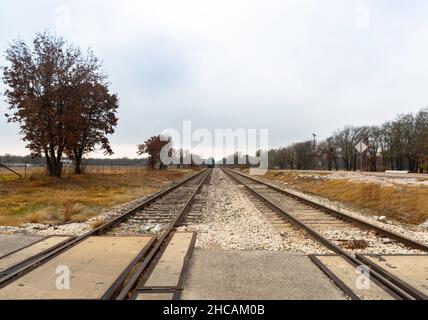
x=23, y=268
x=161, y=241
x=337, y=214
x=400, y=290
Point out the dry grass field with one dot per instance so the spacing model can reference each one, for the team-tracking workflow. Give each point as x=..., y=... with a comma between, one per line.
x=404, y=203
x=38, y=198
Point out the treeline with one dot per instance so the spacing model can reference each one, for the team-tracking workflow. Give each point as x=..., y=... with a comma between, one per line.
x=401, y=144
x=239, y=159
x=116, y=162
x=21, y=160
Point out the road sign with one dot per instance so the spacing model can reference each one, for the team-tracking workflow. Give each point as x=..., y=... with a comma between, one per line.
x=361, y=147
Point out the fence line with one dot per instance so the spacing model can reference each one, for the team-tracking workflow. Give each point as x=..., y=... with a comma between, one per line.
x=68, y=170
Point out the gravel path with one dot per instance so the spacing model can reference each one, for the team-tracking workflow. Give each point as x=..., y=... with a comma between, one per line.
x=232, y=222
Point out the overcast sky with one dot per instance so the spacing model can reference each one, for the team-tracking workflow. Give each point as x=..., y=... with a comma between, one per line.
x=293, y=67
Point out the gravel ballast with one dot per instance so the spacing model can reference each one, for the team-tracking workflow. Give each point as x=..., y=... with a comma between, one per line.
x=232, y=222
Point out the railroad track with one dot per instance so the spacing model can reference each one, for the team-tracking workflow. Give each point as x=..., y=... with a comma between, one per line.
x=157, y=217
x=342, y=234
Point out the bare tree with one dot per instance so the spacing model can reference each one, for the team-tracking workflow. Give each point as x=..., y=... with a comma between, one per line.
x=304, y=155
x=421, y=132
x=399, y=144
x=328, y=150
x=153, y=147
x=373, y=139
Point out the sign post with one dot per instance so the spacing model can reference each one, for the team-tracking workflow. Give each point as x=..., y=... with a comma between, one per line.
x=361, y=147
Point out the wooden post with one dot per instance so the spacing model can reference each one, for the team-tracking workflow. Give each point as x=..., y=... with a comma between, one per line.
x=2, y=165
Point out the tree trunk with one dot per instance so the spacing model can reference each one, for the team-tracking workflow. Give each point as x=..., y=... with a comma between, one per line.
x=53, y=163
x=336, y=164
x=77, y=166
x=78, y=156
x=48, y=162
x=329, y=164
x=55, y=169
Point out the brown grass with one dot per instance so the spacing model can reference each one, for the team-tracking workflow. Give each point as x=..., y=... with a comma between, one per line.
x=42, y=199
x=354, y=244
x=404, y=203
x=97, y=223
x=68, y=209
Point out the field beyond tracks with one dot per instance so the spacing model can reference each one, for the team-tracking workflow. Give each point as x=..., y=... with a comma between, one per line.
x=38, y=198
x=401, y=198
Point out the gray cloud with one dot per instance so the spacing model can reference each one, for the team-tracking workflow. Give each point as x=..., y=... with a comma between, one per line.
x=294, y=67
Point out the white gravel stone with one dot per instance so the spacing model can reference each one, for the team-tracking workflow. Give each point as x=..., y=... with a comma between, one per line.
x=232, y=222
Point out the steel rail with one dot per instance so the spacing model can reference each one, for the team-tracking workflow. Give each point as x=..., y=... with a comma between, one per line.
x=158, y=245
x=342, y=216
x=53, y=252
x=394, y=279
x=399, y=292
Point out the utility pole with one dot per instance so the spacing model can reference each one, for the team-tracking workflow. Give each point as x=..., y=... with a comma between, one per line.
x=314, y=149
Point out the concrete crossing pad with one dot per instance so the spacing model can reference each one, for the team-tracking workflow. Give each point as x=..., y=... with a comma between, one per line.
x=94, y=265
x=167, y=272
x=411, y=269
x=12, y=242
x=256, y=275
x=30, y=251
x=351, y=279
x=155, y=296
